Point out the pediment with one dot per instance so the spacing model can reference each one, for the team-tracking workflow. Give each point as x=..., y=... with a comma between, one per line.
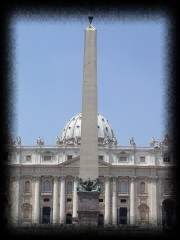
x=75, y=162
x=103, y=163
x=72, y=162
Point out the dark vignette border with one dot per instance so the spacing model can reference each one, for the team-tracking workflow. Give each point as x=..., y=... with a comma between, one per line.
x=69, y=10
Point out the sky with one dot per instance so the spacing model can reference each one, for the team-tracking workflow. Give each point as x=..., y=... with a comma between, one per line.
x=131, y=73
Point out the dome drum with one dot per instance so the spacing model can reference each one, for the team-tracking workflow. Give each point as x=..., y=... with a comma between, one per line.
x=71, y=134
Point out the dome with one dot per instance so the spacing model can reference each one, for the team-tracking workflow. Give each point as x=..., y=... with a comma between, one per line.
x=71, y=134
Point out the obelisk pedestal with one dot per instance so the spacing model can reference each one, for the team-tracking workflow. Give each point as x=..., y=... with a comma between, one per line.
x=88, y=189
x=88, y=212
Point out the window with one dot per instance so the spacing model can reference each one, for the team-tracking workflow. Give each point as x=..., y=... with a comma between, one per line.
x=142, y=159
x=123, y=200
x=100, y=200
x=123, y=159
x=142, y=187
x=101, y=157
x=69, y=157
x=28, y=158
x=123, y=216
x=68, y=218
x=123, y=187
x=69, y=199
x=47, y=158
x=47, y=186
x=69, y=187
x=27, y=186
x=46, y=199
x=166, y=158
x=167, y=187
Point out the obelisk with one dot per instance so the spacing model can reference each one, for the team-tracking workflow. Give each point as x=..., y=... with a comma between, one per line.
x=89, y=130
x=88, y=187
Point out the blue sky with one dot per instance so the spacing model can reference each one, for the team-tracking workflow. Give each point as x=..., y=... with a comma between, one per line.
x=48, y=70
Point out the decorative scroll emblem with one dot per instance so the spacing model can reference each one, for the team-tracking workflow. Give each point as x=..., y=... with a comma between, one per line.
x=89, y=186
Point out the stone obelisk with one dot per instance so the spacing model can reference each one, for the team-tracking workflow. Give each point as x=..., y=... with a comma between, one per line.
x=88, y=188
x=89, y=133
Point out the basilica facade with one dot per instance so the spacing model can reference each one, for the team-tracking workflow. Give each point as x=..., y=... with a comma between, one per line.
x=136, y=185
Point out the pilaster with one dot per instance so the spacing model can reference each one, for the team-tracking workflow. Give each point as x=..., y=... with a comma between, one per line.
x=75, y=200
x=153, y=181
x=114, y=201
x=15, y=199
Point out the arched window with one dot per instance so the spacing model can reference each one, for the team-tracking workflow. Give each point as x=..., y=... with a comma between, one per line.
x=123, y=187
x=69, y=187
x=142, y=187
x=27, y=186
x=47, y=186
x=167, y=187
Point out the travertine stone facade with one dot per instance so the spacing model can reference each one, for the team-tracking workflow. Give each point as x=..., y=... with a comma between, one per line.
x=136, y=184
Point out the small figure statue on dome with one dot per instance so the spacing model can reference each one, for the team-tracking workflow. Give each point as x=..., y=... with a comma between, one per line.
x=40, y=141
x=75, y=140
x=106, y=141
x=57, y=140
x=132, y=143
x=18, y=139
x=152, y=142
x=64, y=140
x=114, y=143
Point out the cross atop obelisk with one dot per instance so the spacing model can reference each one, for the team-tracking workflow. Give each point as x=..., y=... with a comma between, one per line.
x=90, y=17
x=89, y=131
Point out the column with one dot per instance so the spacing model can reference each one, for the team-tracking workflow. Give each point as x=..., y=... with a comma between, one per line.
x=15, y=199
x=55, y=200
x=128, y=217
x=160, y=192
x=114, y=202
x=62, y=200
x=107, y=201
x=132, y=201
x=36, y=199
x=75, y=199
x=153, y=201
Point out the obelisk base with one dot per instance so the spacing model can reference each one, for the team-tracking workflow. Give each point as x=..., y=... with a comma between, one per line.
x=88, y=205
